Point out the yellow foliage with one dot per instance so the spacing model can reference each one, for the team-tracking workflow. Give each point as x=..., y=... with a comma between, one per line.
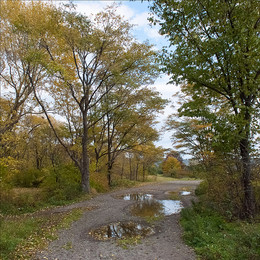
x=170, y=166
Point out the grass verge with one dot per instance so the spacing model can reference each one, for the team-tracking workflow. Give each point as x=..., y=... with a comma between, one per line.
x=214, y=238
x=22, y=236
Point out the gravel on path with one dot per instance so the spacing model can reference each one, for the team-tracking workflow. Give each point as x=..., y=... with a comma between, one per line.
x=166, y=243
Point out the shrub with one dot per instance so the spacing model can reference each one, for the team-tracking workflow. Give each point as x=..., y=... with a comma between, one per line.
x=28, y=178
x=62, y=182
x=222, y=190
x=202, y=188
x=21, y=200
x=122, y=183
x=98, y=181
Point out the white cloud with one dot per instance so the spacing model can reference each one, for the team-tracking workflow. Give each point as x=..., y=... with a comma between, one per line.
x=141, y=19
x=93, y=7
x=152, y=32
x=125, y=11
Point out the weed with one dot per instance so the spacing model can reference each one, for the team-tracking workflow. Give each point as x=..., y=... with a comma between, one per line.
x=68, y=246
x=130, y=241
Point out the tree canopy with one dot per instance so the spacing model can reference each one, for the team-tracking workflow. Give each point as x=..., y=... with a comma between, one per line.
x=88, y=78
x=214, y=49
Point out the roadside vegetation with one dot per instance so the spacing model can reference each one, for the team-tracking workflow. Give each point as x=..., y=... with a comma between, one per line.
x=22, y=236
x=215, y=237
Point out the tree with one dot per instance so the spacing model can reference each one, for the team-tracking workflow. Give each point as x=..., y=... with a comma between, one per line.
x=151, y=156
x=16, y=66
x=78, y=64
x=170, y=166
x=87, y=61
x=130, y=124
x=216, y=50
x=39, y=146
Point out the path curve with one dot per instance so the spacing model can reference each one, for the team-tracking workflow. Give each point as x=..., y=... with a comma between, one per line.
x=165, y=244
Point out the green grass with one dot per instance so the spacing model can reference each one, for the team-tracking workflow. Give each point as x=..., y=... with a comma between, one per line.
x=214, y=238
x=130, y=241
x=13, y=232
x=22, y=236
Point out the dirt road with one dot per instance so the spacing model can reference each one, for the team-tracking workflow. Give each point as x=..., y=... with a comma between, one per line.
x=163, y=243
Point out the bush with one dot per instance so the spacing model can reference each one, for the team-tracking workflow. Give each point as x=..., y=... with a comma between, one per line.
x=28, y=178
x=202, y=188
x=62, y=182
x=123, y=183
x=155, y=169
x=222, y=190
x=21, y=200
x=98, y=181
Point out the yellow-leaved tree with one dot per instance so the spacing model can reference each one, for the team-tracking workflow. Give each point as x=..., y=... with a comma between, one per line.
x=170, y=166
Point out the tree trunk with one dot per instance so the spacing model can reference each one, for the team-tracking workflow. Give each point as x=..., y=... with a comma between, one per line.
x=122, y=169
x=248, y=200
x=143, y=172
x=130, y=168
x=109, y=169
x=109, y=155
x=136, y=171
x=84, y=169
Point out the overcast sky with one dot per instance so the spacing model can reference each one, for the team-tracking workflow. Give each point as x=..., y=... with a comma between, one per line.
x=137, y=12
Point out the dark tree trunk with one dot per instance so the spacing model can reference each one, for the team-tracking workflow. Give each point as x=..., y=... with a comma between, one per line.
x=143, y=172
x=38, y=160
x=248, y=200
x=109, y=155
x=122, y=169
x=136, y=171
x=84, y=169
x=130, y=168
x=109, y=169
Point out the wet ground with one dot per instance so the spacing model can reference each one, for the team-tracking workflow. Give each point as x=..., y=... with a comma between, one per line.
x=145, y=219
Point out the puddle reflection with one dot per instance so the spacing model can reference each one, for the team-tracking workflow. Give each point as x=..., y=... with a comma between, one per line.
x=185, y=193
x=137, y=197
x=121, y=230
x=155, y=208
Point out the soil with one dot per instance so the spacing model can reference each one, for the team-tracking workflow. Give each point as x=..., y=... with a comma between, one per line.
x=164, y=244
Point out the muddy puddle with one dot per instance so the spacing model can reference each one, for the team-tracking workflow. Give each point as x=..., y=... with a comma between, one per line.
x=156, y=208
x=121, y=231
x=147, y=206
